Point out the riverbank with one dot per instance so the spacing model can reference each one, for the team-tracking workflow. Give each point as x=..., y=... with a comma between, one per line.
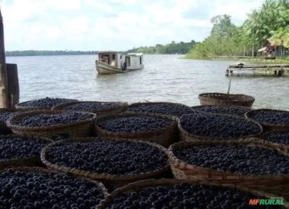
x=246, y=59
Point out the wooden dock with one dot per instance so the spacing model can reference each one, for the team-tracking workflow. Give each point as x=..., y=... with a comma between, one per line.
x=258, y=70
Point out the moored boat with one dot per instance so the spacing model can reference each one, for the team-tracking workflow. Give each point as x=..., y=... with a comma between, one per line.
x=110, y=62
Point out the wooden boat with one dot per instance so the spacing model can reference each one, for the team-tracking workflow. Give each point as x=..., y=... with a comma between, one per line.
x=110, y=62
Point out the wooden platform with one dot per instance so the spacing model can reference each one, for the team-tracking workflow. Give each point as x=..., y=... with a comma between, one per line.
x=258, y=70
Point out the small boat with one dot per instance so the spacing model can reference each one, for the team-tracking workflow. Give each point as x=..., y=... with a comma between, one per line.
x=110, y=62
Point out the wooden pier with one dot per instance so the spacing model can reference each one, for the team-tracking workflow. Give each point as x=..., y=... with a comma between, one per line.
x=258, y=70
x=9, y=85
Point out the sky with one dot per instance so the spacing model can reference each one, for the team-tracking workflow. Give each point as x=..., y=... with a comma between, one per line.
x=112, y=24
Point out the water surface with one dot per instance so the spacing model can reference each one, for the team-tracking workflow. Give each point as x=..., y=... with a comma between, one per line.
x=164, y=78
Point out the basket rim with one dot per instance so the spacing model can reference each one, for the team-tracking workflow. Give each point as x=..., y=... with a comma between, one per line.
x=19, y=105
x=250, y=113
x=7, y=110
x=138, y=185
x=103, y=176
x=156, y=102
x=263, y=136
x=11, y=119
x=221, y=106
x=281, y=146
x=62, y=106
x=175, y=161
x=155, y=131
x=45, y=170
x=12, y=160
x=186, y=133
x=219, y=95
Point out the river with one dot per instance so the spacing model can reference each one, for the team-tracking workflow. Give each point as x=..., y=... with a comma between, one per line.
x=164, y=78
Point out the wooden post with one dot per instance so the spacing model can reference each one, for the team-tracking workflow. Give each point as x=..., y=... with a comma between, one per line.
x=4, y=103
x=13, y=85
x=2, y=48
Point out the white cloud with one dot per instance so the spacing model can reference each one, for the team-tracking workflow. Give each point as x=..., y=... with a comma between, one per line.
x=112, y=24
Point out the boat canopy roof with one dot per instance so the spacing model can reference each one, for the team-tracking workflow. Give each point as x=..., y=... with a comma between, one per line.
x=118, y=52
x=134, y=54
x=109, y=52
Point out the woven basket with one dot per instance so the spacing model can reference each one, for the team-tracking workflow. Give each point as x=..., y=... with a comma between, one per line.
x=112, y=180
x=163, y=136
x=80, y=128
x=3, y=127
x=20, y=106
x=268, y=126
x=226, y=99
x=280, y=146
x=17, y=162
x=154, y=103
x=162, y=182
x=186, y=136
x=243, y=108
x=43, y=170
x=275, y=184
x=121, y=107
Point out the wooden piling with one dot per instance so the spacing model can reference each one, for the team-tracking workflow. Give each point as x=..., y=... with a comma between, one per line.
x=13, y=85
x=2, y=48
x=4, y=98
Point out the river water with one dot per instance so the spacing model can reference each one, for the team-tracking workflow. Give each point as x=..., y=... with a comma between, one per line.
x=164, y=78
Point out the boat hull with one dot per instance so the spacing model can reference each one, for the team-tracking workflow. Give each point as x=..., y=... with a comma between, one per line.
x=103, y=68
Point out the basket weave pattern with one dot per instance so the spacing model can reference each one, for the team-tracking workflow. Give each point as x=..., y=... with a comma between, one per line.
x=163, y=136
x=80, y=128
x=162, y=182
x=186, y=136
x=267, y=126
x=111, y=179
x=44, y=170
x=276, y=184
x=226, y=99
x=121, y=107
x=17, y=162
x=20, y=106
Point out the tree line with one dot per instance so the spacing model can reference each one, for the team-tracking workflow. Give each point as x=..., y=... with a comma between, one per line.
x=171, y=48
x=47, y=52
x=263, y=27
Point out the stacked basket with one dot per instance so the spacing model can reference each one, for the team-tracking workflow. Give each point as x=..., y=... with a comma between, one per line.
x=21, y=150
x=5, y=113
x=279, y=139
x=142, y=126
x=200, y=126
x=226, y=99
x=36, y=187
x=189, y=160
x=99, y=108
x=172, y=193
x=42, y=104
x=113, y=161
x=270, y=119
x=49, y=123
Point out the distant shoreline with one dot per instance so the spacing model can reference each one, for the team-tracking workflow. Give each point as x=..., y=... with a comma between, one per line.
x=47, y=53
x=63, y=53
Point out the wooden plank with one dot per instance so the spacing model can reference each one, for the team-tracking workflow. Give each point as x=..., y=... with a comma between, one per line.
x=258, y=66
x=2, y=48
x=13, y=85
x=4, y=101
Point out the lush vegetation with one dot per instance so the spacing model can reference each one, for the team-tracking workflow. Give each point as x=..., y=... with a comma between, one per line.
x=46, y=52
x=265, y=26
x=172, y=48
